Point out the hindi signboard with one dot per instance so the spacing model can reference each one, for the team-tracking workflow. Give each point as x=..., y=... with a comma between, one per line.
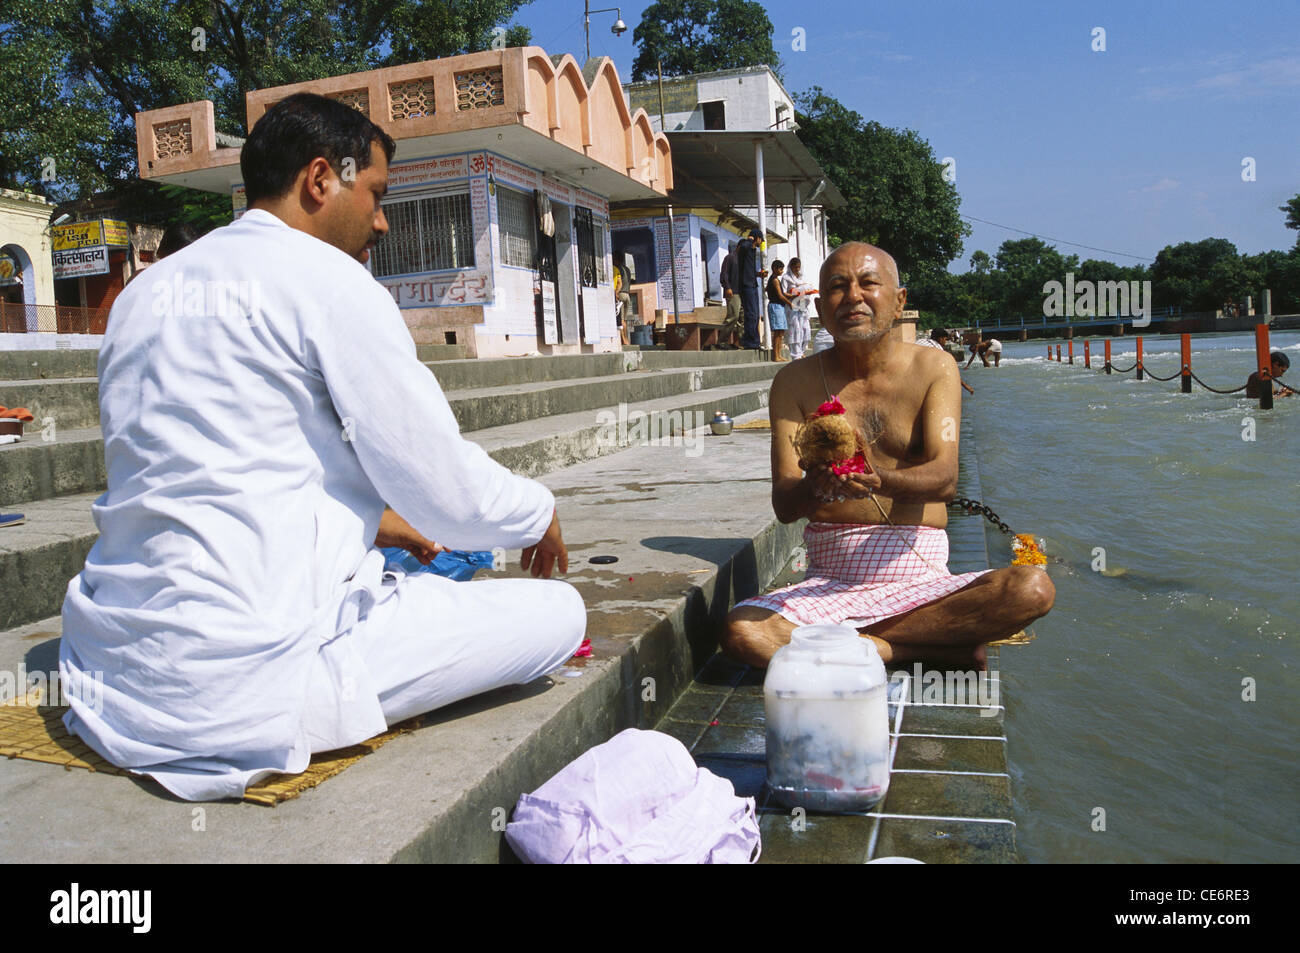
x=76, y=262
x=116, y=234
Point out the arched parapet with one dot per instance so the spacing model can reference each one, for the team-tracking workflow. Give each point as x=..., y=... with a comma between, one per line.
x=664, y=158
x=539, y=111
x=574, y=126
x=642, y=159
x=609, y=116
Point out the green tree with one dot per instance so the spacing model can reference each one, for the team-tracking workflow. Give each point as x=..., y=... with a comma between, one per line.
x=93, y=64
x=981, y=263
x=1292, y=209
x=1199, y=276
x=897, y=195
x=699, y=36
x=1025, y=265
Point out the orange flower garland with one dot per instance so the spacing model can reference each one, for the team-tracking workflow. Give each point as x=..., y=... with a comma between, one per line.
x=1027, y=551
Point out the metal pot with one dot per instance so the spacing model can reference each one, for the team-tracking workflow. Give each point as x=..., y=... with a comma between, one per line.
x=721, y=424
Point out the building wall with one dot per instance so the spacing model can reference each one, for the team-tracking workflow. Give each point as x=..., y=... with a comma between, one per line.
x=23, y=222
x=488, y=304
x=695, y=277
x=751, y=98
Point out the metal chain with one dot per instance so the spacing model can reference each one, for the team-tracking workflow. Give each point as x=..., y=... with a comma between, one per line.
x=975, y=506
x=1163, y=379
x=1215, y=389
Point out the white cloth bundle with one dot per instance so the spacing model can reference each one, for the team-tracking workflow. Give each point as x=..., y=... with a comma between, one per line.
x=637, y=799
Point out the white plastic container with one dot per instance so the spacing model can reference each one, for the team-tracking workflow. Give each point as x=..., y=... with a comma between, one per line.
x=827, y=721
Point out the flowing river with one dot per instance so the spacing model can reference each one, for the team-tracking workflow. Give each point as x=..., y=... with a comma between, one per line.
x=1162, y=688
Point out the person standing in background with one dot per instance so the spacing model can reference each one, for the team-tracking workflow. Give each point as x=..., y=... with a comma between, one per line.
x=748, y=276
x=729, y=277
x=800, y=291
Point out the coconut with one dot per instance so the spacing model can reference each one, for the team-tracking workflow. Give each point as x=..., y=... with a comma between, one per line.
x=826, y=440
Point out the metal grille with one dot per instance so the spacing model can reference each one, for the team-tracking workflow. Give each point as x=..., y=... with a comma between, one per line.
x=515, y=214
x=586, y=247
x=602, y=258
x=428, y=234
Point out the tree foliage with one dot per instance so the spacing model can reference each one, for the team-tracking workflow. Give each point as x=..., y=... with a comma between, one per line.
x=699, y=36
x=75, y=72
x=897, y=195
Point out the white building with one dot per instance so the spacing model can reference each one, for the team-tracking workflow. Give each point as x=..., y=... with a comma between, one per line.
x=733, y=140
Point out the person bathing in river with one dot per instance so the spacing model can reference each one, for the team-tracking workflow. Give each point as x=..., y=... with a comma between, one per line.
x=876, y=544
x=1278, y=364
x=939, y=339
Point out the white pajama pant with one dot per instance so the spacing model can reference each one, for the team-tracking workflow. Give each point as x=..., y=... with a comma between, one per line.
x=429, y=641
x=800, y=331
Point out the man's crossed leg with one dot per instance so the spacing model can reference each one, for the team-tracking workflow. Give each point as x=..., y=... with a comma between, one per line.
x=950, y=631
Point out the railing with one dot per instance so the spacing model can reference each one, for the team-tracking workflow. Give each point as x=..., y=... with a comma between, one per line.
x=51, y=319
x=1042, y=321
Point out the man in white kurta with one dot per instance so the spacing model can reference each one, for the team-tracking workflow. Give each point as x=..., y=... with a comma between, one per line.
x=234, y=603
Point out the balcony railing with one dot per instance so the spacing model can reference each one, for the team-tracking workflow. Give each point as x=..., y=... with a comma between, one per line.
x=51, y=319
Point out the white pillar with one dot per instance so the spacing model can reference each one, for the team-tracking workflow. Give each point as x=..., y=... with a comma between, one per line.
x=798, y=224
x=765, y=332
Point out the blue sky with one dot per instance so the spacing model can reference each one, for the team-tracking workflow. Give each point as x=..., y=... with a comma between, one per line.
x=1127, y=150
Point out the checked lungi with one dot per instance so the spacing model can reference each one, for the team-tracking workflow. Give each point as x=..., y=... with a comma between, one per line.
x=861, y=574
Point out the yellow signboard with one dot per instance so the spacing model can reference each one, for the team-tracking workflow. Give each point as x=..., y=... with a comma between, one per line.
x=88, y=234
x=115, y=233
x=78, y=235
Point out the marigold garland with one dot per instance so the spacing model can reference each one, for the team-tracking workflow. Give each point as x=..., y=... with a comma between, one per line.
x=1027, y=551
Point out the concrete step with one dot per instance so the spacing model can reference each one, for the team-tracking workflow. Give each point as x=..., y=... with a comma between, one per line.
x=37, y=469
x=71, y=403
x=441, y=352
x=39, y=557
x=71, y=460
x=693, y=534
x=536, y=447
x=47, y=363
x=481, y=408
x=499, y=372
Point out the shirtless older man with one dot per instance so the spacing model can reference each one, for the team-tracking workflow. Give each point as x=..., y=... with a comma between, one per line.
x=876, y=542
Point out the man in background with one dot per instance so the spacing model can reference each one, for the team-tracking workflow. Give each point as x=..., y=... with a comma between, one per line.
x=750, y=275
x=728, y=275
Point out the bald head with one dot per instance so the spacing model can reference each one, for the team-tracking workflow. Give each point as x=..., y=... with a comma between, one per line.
x=859, y=294
x=853, y=255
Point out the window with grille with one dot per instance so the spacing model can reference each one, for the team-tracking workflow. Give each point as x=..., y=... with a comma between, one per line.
x=602, y=266
x=516, y=215
x=435, y=233
x=586, y=247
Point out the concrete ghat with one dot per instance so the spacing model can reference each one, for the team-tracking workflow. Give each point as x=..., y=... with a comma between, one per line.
x=692, y=528
x=949, y=797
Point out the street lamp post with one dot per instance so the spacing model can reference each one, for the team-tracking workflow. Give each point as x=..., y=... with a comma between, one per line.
x=618, y=29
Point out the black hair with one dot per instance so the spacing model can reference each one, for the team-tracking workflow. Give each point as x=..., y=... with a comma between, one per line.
x=1281, y=359
x=176, y=237
x=795, y=261
x=939, y=334
x=778, y=264
x=298, y=129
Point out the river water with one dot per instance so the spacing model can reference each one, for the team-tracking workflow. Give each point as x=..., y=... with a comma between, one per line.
x=1131, y=699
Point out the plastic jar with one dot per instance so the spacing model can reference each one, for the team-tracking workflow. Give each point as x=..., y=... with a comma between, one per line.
x=827, y=721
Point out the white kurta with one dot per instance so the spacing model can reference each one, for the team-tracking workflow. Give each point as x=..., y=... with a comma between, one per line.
x=250, y=449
